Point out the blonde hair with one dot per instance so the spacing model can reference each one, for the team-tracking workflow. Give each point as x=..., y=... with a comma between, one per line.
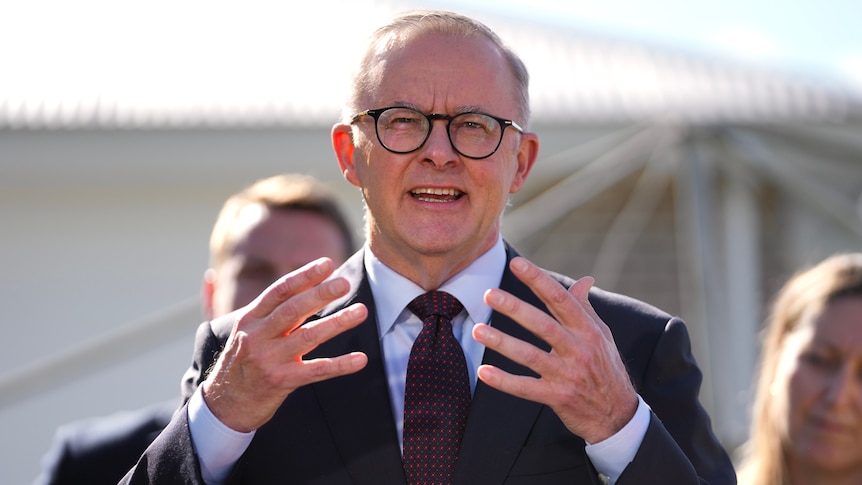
x=805, y=294
x=411, y=24
x=284, y=192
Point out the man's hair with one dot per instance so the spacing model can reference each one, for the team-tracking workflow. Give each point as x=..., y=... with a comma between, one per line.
x=282, y=192
x=408, y=25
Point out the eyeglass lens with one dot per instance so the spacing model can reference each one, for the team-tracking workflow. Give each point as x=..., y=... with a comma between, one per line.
x=404, y=130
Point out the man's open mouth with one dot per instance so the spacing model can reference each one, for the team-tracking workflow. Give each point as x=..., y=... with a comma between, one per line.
x=436, y=195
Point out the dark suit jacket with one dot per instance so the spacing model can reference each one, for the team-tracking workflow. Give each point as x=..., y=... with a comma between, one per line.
x=342, y=431
x=99, y=451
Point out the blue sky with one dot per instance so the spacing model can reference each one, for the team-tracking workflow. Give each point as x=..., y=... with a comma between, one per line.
x=820, y=37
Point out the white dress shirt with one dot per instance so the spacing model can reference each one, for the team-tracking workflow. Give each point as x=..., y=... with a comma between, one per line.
x=219, y=447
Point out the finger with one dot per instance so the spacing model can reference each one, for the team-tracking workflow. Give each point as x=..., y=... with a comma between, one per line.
x=536, y=321
x=581, y=291
x=566, y=308
x=291, y=313
x=307, y=337
x=289, y=285
x=321, y=369
x=524, y=387
x=515, y=349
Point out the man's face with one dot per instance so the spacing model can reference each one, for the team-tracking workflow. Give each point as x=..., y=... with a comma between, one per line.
x=439, y=74
x=269, y=243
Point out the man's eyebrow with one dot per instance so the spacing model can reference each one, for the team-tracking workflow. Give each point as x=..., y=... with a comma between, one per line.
x=404, y=104
x=469, y=109
x=251, y=260
x=458, y=109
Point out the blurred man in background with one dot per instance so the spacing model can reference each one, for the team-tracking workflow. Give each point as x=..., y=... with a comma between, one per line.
x=269, y=229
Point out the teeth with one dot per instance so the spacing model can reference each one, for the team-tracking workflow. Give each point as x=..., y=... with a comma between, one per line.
x=449, y=192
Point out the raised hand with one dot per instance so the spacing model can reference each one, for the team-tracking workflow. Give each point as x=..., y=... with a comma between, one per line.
x=582, y=378
x=262, y=360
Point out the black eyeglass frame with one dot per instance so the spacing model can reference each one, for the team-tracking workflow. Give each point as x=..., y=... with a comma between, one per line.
x=375, y=113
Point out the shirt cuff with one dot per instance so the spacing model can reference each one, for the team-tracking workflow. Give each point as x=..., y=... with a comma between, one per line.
x=217, y=446
x=613, y=455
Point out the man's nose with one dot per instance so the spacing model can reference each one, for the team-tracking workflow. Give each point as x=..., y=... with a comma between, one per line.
x=438, y=147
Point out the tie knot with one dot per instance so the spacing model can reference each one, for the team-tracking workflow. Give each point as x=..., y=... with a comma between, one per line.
x=435, y=303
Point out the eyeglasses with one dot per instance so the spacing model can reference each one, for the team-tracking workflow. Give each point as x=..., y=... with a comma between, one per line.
x=405, y=130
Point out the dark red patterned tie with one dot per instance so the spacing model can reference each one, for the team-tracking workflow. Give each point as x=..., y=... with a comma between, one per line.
x=437, y=394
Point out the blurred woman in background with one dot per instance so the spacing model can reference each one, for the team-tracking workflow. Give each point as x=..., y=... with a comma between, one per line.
x=807, y=416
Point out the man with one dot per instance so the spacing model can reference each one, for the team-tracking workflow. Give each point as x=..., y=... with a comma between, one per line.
x=352, y=377
x=271, y=228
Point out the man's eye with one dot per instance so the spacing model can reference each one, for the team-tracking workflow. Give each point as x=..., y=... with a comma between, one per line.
x=403, y=120
x=475, y=122
x=257, y=274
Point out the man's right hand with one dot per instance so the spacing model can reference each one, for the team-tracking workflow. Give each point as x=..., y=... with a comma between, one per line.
x=262, y=360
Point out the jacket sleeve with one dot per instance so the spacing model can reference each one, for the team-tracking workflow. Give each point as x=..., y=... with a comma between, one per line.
x=679, y=445
x=171, y=458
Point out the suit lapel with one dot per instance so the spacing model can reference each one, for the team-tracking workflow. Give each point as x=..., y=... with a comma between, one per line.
x=499, y=423
x=359, y=412
x=357, y=407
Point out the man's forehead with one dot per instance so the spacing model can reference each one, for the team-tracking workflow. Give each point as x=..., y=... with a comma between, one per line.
x=249, y=216
x=437, y=49
x=463, y=74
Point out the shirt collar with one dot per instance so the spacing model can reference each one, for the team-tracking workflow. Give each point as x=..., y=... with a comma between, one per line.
x=392, y=292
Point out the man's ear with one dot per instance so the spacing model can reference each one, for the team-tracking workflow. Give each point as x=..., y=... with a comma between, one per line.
x=528, y=152
x=342, y=143
x=207, y=292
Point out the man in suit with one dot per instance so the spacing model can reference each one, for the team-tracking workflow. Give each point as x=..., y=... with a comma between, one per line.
x=268, y=229
x=316, y=381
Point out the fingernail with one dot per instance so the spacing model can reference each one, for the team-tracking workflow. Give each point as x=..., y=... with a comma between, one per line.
x=519, y=264
x=494, y=297
x=340, y=285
